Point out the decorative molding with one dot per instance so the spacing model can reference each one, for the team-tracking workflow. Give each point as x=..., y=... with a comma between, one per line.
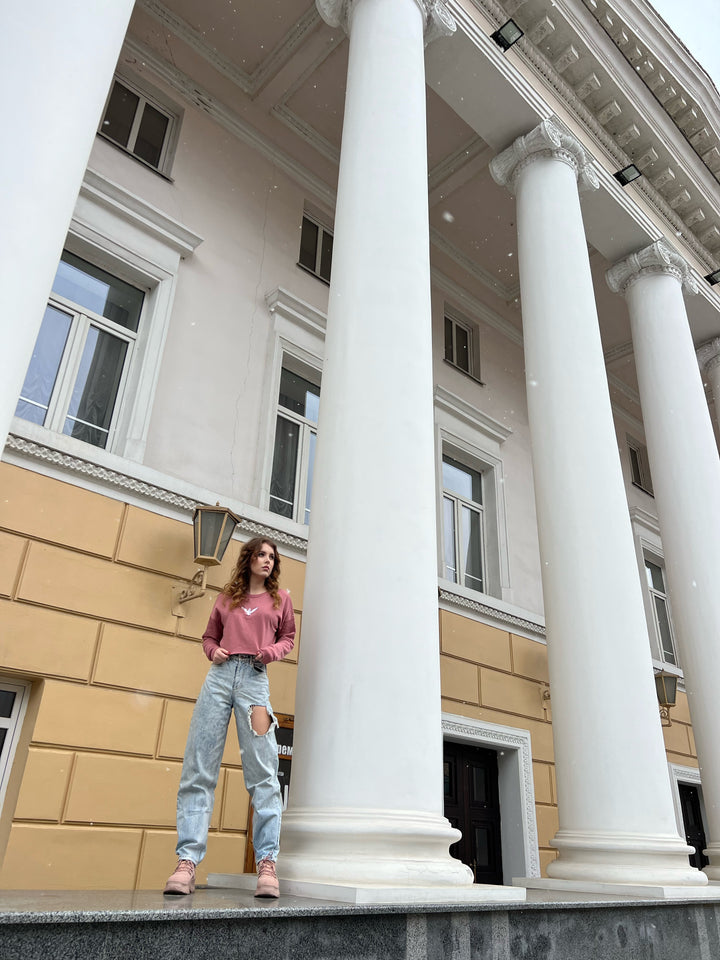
x=465, y=729
x=708, y=355
x=623, y=388
x=122, y=481
x=306, y=132
x=619, y=352
x=493, y=613
x=456, y=160
x=469, y=266
x=475, y=308
x=250, y=84
x=654, y=260
x=438, y=20
x=642, y=518
x=285, y=304
x=133, y=209
x=467, y=413
x=194, y=93
x=632, y=421
x=548, y=139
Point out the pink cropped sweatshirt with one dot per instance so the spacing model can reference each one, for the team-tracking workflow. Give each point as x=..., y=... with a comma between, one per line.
x=253, y=627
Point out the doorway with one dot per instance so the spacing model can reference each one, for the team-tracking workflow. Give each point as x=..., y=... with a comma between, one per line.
x=692, y=821
x=472, y=804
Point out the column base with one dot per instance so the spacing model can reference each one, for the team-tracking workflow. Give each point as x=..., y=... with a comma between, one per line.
x=369, y=848
x=359, y=894
x=635, y=859
x=647, y=891
x=712, y=870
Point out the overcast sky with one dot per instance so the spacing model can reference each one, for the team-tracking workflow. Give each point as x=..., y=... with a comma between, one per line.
x=697, y=23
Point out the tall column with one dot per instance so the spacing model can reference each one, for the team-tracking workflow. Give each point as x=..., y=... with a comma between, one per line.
x=58, y=58
x=686, y=480
x=708, y=355
x=617, y=824
x=366, y=799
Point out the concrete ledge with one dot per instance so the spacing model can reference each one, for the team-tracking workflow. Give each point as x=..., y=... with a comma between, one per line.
x=345, y=893
x=645, y=891
x=119, y=925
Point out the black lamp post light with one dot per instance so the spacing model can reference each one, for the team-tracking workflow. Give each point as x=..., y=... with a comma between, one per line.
x=212, y=529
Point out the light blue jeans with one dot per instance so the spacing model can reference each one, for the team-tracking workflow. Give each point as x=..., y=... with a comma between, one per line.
x=231, y=686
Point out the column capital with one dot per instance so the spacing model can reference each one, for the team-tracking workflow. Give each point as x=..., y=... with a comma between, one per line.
x=708, y=355
x=548, y=139
x=659, y=259
x=439, y=22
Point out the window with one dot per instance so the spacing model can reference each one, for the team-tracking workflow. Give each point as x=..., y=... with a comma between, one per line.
x=463, y=524
x=462, y=344
x=13, y=702
x=661, y=611
x=139, y=122
x=294, y=451
x=316, y=245
x=639, y=465
x=79, y=365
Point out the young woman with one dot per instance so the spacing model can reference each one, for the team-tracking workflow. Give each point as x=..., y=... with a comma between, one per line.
x=251, y=624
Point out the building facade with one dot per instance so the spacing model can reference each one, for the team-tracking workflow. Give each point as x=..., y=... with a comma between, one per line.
x=367, y=277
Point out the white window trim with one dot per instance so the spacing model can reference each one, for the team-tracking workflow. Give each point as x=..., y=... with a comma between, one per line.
x=475, y=438
x=14, y=727
x=646, y=535
x=299, y=333
x=128, y=237
x=520, y=851
x=473, y=330
x=324, y=224
x=641, y=453
x=173, y=111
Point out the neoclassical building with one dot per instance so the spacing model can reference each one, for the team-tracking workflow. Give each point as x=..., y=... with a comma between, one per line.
x=424, y=291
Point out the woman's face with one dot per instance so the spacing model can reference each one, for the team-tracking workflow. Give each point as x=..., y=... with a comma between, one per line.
x=263, y=562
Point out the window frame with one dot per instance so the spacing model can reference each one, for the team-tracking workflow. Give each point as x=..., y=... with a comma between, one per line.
x=650, y=556
x=458, y=320
x=308, y=429
x=14, y=725
x=124, y=235
x=148, y=94
x=324, y=229
x=639, y=477
x=82, y=321
x=458, y=502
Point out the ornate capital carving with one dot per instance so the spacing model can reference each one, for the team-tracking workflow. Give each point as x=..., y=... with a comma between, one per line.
x=546, y=140
x=709, y=355
x=439, y=21
x=657, y=259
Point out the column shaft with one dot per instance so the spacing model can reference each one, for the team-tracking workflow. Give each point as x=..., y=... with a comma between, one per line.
x=686, y=479
x=616, y=816
x=366, y=800
x=58, y=60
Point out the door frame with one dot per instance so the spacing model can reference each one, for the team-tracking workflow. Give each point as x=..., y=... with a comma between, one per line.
x=691, y=776
x=520, y=853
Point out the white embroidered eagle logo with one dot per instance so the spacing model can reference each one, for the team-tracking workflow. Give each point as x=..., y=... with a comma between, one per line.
x=249, y=610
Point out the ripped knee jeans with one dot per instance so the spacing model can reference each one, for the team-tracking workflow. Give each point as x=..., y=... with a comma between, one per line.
x=235, y=686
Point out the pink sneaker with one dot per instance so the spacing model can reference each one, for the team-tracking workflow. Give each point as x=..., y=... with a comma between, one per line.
x=267, y=885
x=183, y=880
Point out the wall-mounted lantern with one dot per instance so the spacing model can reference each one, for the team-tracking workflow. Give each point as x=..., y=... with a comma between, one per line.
x=212, y=529
x=627, y=175
x=666, y=689
x=506, y=35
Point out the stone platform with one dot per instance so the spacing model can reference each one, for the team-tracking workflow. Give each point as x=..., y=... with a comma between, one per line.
x=216, y=924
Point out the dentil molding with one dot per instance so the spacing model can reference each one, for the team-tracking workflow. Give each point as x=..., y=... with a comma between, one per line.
x=656, y=259
x=548, y=139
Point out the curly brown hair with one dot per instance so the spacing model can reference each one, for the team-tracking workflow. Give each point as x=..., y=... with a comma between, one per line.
x=239, y=584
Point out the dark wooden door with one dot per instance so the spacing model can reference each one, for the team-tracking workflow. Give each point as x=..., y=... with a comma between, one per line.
x=472, y=805
x=692, y=819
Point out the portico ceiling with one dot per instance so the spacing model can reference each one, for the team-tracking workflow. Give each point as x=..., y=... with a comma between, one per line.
x=276, y=69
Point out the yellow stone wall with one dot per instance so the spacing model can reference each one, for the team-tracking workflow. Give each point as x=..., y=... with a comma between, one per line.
x=85, y=588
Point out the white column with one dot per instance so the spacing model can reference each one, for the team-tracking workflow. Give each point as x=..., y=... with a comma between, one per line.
x=617, y=823
x=685, y=470
x=366, y=799
x=709, y=359
x=57, y=59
